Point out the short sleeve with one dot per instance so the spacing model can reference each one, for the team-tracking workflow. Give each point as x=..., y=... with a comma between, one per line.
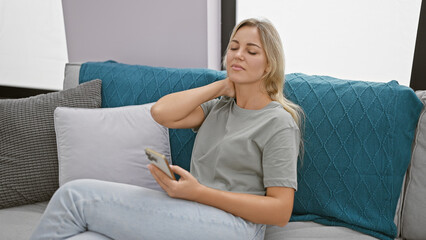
x=207, y=107
x=279, y=159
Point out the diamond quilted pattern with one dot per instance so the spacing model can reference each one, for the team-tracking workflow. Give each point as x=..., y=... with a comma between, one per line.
x=124, y=84
x=358, y=139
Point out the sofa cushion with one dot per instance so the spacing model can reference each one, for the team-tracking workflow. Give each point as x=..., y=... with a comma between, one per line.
x=18, y=223
x=312, y=231
x=28, y=153
x=358, y=138
x=108, y=144
x=414, y=204
x=125, y=84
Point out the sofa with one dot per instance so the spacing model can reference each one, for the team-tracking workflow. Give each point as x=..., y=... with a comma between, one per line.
x=363, y=174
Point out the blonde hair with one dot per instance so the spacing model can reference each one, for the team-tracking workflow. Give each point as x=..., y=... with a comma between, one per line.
x=274, y=78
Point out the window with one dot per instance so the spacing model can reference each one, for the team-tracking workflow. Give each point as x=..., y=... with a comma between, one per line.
x=33, y=50
x=371, y=40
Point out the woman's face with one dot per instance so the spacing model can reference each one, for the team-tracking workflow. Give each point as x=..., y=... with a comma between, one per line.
x=246, y=59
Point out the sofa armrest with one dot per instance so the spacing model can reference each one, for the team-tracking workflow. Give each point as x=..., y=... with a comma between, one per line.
x=72, y=74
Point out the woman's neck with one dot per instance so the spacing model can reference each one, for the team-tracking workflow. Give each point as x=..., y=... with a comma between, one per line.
x=251, y=97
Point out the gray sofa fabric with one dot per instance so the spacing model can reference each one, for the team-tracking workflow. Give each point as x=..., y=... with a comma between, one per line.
x=414, y=206
x=72, y=74
x=18, y=223
x=311, y=230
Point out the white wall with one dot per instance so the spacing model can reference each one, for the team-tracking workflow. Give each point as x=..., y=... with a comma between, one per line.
x=369, y=40
x=214, y=34
x=163, y=33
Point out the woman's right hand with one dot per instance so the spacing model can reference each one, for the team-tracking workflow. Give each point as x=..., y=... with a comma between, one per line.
x=187, y=187
x=229, y=88
x=182, y=109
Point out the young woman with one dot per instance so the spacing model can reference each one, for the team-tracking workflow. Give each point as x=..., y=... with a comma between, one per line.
x=243, y=165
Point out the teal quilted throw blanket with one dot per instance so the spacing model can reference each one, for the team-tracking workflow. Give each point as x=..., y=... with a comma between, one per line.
x=124, y=84
x=358, y=138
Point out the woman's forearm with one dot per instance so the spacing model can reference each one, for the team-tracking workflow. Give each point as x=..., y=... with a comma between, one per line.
x=273, y=209
x=177, y=106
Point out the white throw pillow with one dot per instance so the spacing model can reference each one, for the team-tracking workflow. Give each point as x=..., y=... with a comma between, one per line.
x=108, y=144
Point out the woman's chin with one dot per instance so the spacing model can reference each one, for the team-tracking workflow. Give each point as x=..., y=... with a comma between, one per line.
x=236, y=78
x=241, y=80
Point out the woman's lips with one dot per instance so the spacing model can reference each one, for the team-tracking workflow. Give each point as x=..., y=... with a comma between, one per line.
x=237, y=67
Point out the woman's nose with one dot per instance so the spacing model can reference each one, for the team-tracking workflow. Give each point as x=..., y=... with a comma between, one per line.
x=239, y=55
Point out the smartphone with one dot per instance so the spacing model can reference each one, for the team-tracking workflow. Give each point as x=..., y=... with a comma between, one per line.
x=160, y=161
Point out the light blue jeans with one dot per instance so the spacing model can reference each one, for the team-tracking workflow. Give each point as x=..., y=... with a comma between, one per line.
x=92, y=209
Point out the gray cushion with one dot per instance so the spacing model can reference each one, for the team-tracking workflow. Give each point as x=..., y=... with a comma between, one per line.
x=311, y=230
x=28, y=155
x=18, y=223
x=414, y=205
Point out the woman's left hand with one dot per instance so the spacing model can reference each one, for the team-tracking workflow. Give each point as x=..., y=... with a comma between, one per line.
x=187, y=187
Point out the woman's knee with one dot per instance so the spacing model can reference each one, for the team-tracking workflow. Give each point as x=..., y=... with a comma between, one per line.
x=79, y=183
x=78, y=187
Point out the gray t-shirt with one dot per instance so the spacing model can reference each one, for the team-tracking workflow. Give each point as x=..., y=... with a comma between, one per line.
x=245, y=151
